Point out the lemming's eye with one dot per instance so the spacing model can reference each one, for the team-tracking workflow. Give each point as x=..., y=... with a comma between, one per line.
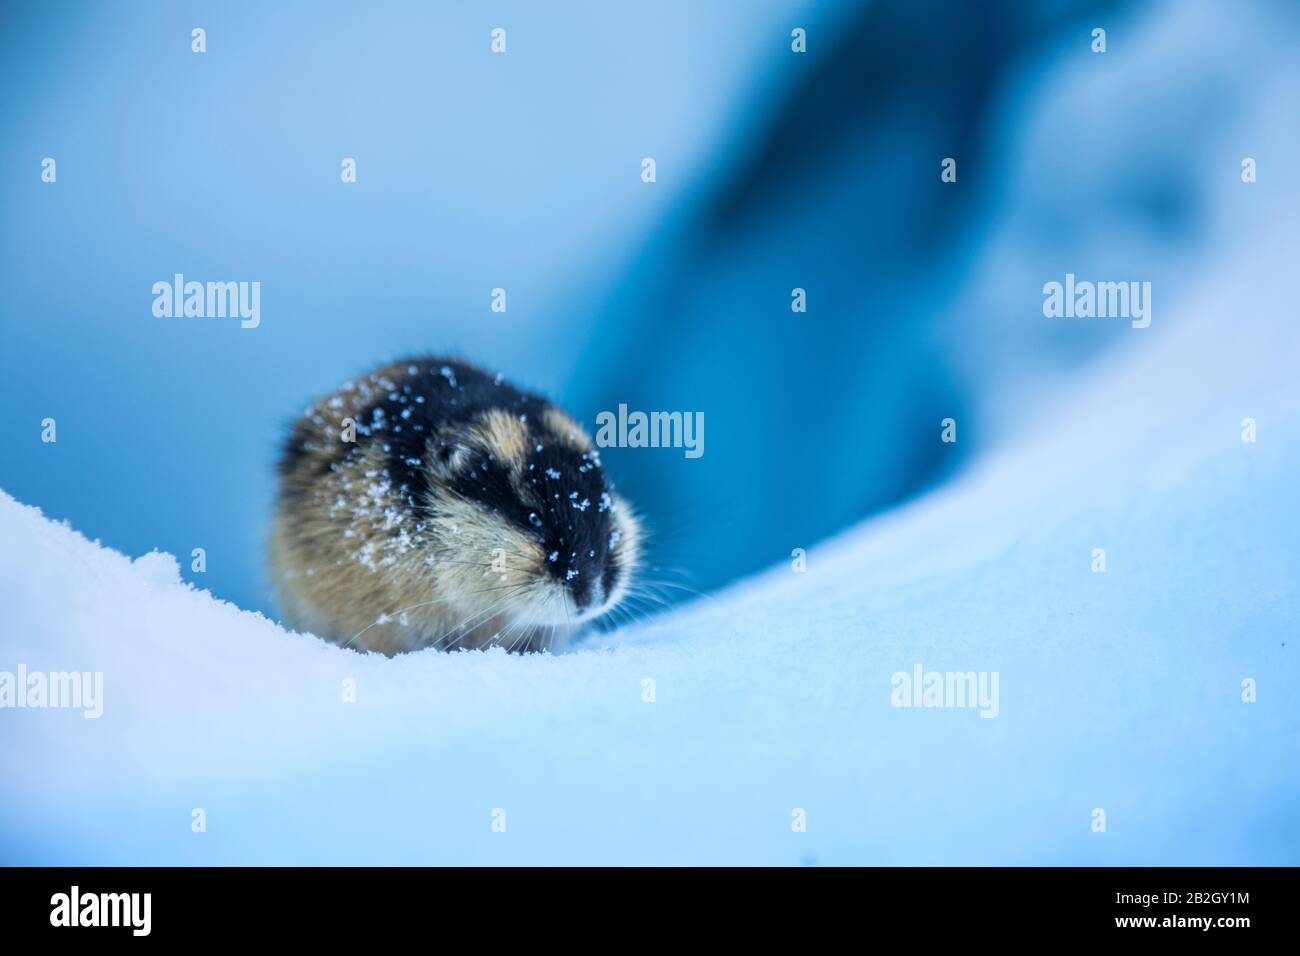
x=454, y=456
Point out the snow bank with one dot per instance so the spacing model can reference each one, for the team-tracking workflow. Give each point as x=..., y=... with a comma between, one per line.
x=1119, y=691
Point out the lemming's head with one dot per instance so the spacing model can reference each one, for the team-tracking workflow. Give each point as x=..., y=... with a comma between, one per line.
x=521, y=519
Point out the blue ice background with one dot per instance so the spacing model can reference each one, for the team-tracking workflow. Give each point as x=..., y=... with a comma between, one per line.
x=519, y=171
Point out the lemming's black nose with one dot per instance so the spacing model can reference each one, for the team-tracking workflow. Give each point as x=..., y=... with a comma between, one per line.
x=586, y=594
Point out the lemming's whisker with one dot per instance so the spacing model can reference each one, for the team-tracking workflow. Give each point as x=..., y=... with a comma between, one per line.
x=524, y=633
x=473, y=621
x=632, y=614
x=548, y=630
x=499, y=639
x=383, y=619
x=476, y=620
x=515, y=628
x=658, y=583
x=503, y=587
x=485, y=565
x=658, y=600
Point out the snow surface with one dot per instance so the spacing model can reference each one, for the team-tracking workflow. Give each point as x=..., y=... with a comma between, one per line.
x=1119, y=691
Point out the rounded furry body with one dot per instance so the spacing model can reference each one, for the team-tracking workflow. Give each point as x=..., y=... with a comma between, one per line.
x=430, y=504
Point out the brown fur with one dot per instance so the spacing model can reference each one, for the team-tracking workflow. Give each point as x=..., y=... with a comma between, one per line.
x=566, y=430
x=353, y=564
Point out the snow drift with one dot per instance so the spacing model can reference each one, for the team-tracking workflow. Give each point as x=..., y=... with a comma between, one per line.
x=710, y=734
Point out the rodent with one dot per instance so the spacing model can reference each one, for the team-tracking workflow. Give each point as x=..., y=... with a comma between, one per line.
x=466, y=513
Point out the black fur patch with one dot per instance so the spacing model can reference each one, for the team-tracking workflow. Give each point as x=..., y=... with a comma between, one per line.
x=566, y=503
x=576, y=519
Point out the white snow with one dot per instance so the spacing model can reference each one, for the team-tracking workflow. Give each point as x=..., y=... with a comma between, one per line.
x=1120, y=691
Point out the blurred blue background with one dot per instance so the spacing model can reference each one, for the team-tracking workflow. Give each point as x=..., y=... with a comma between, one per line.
x=775, y=170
